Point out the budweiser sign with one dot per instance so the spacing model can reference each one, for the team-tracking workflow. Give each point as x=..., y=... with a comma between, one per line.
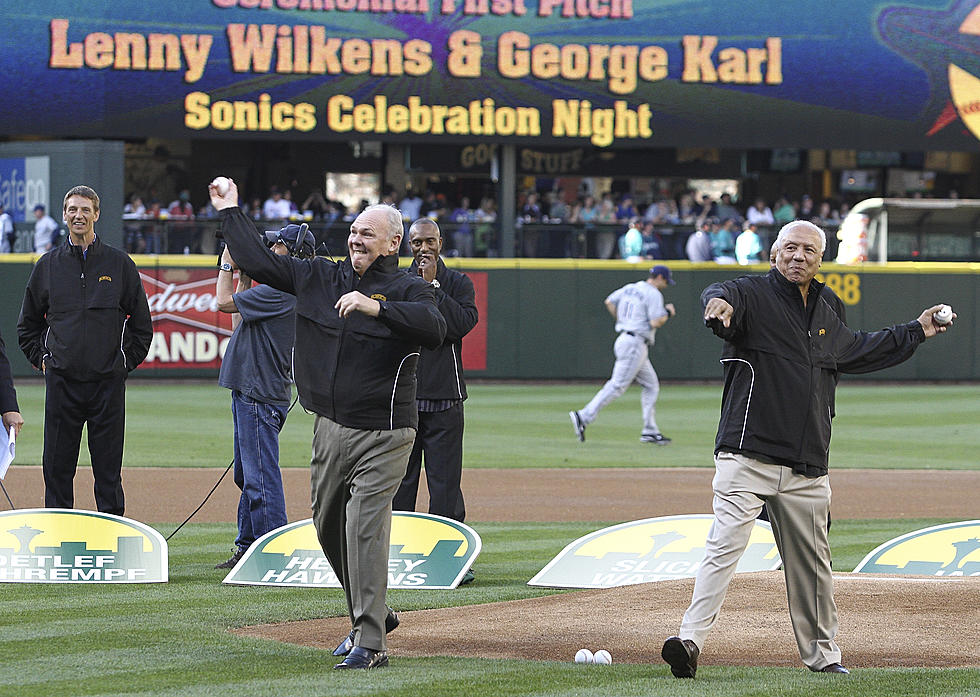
x=188, y=329
x=190, y=332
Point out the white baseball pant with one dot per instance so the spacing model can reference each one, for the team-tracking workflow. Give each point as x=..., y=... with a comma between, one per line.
x=632, y=363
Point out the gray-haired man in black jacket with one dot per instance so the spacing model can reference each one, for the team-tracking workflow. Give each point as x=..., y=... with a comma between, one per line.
x=784, y=345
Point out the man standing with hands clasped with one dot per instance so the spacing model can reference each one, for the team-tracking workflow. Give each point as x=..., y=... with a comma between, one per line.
x=441, y=389
x=784, y=346
x=360, y=324
x=639, y=310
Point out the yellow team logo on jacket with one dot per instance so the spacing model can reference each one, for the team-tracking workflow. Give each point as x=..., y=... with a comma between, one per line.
x=822, y=332
x=378, y=296
x=105, y=278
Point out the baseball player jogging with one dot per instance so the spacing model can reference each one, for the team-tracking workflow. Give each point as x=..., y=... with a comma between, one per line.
x=639, y=310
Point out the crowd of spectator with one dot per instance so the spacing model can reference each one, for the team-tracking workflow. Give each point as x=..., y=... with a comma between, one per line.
x=691, y=225
x=182, y=234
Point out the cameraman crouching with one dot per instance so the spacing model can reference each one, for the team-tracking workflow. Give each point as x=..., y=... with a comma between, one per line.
x=256, y=368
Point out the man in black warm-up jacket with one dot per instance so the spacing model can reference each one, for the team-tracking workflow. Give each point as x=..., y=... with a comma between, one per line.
x=85, y=323
x=359, y=327
x=441, y=387
x=784, y=346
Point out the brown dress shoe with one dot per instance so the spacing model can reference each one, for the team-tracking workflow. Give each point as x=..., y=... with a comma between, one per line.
x=682, y=655
x=834, y=668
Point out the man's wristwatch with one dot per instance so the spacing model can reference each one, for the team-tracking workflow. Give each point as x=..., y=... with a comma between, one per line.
x=434, y=283
x=225, y=267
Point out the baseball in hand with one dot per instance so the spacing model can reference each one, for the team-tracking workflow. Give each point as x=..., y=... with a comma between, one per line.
x=584, y=656
x=602, y=657
x=221, y=185
x=944, y=315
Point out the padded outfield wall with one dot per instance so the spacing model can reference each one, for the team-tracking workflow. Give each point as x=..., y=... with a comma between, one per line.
x=545, y=319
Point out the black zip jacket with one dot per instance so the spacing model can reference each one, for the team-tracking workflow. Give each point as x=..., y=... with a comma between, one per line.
x=440, y=373
x=781, y=362
x=85, y=318
x=8, y=395
x=358, y=371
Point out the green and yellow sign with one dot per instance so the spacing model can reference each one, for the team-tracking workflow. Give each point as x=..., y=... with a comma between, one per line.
x=951, y=549
x=426, y=551
x=653, y=549
x=53, y=545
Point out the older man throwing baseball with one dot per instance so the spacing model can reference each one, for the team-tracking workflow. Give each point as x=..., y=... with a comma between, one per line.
x=784, y=346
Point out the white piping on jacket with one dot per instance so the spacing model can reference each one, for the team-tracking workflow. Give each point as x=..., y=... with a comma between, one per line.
x=748, y=401
x=456, y=367
x=394, y=388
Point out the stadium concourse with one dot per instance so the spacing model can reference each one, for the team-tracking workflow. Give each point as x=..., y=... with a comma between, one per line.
x=914, y=621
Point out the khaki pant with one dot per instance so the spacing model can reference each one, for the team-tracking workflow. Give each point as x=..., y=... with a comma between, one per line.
x=798, y=509
x=353, y=476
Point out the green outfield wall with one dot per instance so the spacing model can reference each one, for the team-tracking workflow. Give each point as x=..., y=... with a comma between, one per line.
x=545, y=319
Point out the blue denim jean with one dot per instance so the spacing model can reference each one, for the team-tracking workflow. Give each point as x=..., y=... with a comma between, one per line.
x=262, y=506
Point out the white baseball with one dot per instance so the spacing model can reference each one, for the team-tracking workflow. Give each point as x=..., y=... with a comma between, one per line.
x=944, y=315
x=602, y=657
x=584, y=656
x=221, y=185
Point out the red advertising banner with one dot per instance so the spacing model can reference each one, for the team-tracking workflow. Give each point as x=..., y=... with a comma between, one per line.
x=475, y=343
x=190, y=332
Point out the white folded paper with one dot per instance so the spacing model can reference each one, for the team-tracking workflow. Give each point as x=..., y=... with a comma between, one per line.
x=7, y=448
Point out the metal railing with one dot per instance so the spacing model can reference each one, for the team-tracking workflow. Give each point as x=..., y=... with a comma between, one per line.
x=471, y=239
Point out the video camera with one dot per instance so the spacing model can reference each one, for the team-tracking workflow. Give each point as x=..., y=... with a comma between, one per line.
x=299, y=239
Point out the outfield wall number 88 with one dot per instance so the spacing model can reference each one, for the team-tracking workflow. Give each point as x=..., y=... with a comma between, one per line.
x=846, y=285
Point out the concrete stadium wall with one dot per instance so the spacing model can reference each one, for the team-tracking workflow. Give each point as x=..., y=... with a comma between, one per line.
x=545, y=319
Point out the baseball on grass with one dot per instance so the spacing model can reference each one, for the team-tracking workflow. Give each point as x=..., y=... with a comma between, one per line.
x=584, y=656
x=603, y=657
x=221, y=185
x=944, y=315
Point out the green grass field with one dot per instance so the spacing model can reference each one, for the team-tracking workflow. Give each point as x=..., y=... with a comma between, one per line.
x=878, y=426
x=172, y=639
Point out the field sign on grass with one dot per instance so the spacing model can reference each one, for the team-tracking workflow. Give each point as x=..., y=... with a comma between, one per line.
x=653, y=549
x=56, y=545
x=427, y=551
x=951, y=549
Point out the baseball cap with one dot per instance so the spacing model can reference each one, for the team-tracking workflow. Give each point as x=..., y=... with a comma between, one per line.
x=39, y=207
x=289, y=236
x=661, y=270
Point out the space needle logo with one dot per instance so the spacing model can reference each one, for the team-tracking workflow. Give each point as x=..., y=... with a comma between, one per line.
x=946, y=44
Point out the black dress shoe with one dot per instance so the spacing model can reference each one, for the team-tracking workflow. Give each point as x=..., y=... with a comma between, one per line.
x=834, y=668
x=235, y=558
x=344, y=647
x=682, y=655
x=360, y=658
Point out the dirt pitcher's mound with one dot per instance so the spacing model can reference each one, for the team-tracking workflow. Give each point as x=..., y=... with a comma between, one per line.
x=884, y=621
